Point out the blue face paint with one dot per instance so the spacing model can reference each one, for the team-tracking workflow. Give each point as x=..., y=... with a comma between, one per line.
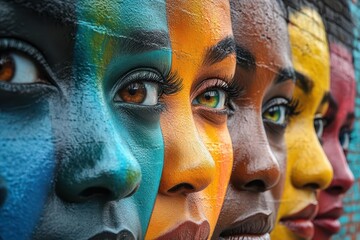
x=27, y=163
x=96, y=153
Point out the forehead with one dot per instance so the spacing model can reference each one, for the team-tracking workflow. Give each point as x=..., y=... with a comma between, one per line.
x=260, y=27
x=309, y=48
x=111, y=15
x=201, y=23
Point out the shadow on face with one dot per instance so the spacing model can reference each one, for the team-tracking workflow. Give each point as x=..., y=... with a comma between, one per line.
x=264, y=72
x=308, y=169
x=339, y=120
x=80, y=90
x=198, y=156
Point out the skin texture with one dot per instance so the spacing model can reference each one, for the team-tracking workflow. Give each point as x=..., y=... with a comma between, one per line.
x=198, y=153
x=258, y=141
x=339, y=123
x=72, y=148
x=308, y=169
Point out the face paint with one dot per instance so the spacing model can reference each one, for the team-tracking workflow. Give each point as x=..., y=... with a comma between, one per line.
x=339, y=120
x=264, y=72
x=198, y=156
x=102, y=68
x=307, y=166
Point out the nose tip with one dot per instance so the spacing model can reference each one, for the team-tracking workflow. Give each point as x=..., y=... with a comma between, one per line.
x=108, y=176
x=256, y=172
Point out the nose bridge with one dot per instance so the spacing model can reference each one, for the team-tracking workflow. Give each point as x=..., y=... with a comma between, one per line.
x=188, y=167
x=255, y=166
x=311, y=168
x=95, y=159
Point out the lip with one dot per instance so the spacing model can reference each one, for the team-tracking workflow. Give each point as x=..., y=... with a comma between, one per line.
x=122, y=235
x=300, y=223
x=188, y=230
x=256, y=226
x=329, y=220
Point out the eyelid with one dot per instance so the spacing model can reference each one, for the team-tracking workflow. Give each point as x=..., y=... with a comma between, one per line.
x=275, y=101
x=8, y=44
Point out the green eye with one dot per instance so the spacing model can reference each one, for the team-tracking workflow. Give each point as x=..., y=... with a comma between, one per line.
x=211, y=99
x=276, y=111
x=276, y=114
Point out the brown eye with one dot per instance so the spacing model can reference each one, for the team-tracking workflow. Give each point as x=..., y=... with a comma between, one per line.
x=133, y=93
x=7, y=68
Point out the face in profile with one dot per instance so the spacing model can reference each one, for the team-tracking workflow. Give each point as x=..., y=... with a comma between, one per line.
x=339, y=120
x=266, y=78
x=308, y=169
x=198, y=153
x=81, y=88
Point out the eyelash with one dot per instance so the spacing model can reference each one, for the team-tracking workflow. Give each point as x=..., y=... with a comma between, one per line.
x=294, y=108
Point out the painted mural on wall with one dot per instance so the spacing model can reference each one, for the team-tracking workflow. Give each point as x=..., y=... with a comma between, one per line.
x=167, y=119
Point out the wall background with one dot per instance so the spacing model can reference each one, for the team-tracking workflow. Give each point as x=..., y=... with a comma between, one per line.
x=351, y=218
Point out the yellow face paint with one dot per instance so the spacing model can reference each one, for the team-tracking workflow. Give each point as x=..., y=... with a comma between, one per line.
x=308, y=168
x=198, y=151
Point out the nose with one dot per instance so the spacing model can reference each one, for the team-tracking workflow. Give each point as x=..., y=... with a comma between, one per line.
x=188, y=165
x=255, y=167
x=311, y=168
x=343, y=178
x=94, y=159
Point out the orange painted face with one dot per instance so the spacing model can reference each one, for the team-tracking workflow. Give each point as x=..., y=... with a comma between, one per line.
x=308, y=169
x=198, y=151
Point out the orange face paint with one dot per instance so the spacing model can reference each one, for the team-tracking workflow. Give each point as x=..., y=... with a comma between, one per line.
x=198, y=151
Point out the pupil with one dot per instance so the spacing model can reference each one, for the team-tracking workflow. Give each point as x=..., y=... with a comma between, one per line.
x=133, y=88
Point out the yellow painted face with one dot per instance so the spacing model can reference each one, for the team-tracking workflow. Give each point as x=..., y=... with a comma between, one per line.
x=198, y=151
x=308, y=168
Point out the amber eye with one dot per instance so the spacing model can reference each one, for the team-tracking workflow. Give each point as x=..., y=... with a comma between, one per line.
x=211, y=99
x=145, y=93
x=7, y=68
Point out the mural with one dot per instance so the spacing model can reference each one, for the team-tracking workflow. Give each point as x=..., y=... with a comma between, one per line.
x=308, y=169
x=257, y=126
x=198, y=154
x=166, y=119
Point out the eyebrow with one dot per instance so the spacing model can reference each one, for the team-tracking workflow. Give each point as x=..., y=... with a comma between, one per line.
x=285, y=74
x=244, y=58
x=142, y=41
x=220, y=51
x=303, y=82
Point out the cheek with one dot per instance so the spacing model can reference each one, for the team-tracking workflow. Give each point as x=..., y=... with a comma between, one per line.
x=27, y=165
x=218, y=142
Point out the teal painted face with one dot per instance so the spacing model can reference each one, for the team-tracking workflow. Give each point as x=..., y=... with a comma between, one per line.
x=86, y=150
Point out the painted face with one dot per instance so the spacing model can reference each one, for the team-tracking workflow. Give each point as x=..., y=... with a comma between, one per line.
x=339, y=120
x=265, y=75
x=307, y=167
x=80, y=85
x=198, y=153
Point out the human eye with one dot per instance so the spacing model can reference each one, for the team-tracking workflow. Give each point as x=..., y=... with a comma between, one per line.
x=319, y=125
x=215, y=95
x=345, y=139
x=145, y=87
x=24, y=74
x=277, y=111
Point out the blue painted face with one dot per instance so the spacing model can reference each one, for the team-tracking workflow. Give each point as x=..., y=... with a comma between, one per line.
x=82, y=146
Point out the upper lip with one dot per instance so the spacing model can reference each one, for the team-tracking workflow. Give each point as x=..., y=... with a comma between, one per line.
x=307, y=213
x=188, y=230
x=334, y=213
x=124, y=234
x=257, y=224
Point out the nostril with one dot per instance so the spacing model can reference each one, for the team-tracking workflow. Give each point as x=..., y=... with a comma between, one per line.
x=335, y=190
x=312, y=186
x=94, y=192
x=255, y=186
x=182, y=187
